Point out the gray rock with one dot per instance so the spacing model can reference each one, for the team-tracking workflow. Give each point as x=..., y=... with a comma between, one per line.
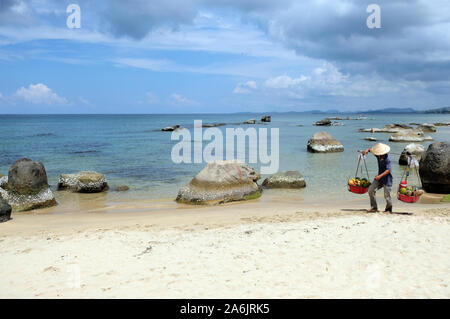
x=427, y=128
x=83, y=182
x=372, y=139
x=442, y=124
x=27, y=177
x=27, y=186
x=322, y=142
x=324, y=122
x=435, y=168
x=286, y=179
x=23, y=202
x=213, y=124
x=4, y=182
x=266, y=118
x=407, y=136
x=171, y=128
x=122, y=188
x=221, y=182
x=251, y=121
x=413, y=149
x=5, y=211
x=389, y=128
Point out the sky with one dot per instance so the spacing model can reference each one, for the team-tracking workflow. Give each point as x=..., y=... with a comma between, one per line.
x=206, y=56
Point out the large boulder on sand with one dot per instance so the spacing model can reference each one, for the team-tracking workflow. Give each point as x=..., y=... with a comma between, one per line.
x=322, y=142
x=83, y=182
x=220, y=182
x=5, y=211
x=27, y=186
x=435, y=168
x=286, y=179
x=413, y=149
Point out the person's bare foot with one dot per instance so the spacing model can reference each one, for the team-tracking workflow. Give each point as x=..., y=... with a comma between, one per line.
x=372, y=210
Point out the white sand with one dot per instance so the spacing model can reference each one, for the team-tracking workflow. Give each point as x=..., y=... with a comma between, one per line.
x=252, y=251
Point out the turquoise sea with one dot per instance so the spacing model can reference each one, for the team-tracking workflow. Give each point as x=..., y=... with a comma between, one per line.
x=131, y=151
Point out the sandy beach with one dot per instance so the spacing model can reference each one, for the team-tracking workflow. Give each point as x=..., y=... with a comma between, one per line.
x=255, y=249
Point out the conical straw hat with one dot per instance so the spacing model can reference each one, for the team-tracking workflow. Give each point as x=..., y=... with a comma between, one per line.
x=380, y=149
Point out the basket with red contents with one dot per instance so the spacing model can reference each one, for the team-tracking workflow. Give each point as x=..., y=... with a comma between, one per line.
x=409, y=193
x=358, y=185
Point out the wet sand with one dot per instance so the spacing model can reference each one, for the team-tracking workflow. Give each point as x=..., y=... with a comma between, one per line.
x=267, y=248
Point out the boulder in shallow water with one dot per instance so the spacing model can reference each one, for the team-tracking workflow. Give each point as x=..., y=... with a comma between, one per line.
x=251, y=121
x=427, y=128
x=372, y=139
x=435, y=168
x=5, y=211
x=122, y=188
x=27, y=186
x=413, y=149
x=221, y=182
x=171, y=128
x=83, y=182
x=324, y=122
x=285, y=179
x=322, y=142
x=407, y=136
x=266, y=118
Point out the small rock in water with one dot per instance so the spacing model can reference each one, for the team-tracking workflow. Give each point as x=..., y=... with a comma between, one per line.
x=251, y=121
x=324, y=122
x=122, y=188
x=285, y=179
x=372, y=139
x=83, y=182
x=322, y=142
x=171, y=128
x=407, y=136
x=266, y=118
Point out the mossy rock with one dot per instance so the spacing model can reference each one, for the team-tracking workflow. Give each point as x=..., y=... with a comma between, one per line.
x=446, y=199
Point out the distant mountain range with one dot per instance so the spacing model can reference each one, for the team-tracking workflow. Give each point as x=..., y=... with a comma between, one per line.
x=442, y=110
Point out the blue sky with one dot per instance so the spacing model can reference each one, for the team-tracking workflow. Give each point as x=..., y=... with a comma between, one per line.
x=197, y=56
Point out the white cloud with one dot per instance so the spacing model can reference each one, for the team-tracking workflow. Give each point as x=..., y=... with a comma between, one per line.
x=284, y=81
x=244, y=88
x=327, y=80
x=39, y=94
x=177, y=99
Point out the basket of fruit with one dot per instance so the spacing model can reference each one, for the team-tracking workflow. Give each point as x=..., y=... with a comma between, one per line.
x=358, y=185
x=409, y=194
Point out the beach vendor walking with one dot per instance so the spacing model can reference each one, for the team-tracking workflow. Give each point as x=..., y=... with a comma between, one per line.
x=384, y=177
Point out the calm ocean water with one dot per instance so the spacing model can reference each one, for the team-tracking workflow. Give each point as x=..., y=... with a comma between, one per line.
x=128, y=150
